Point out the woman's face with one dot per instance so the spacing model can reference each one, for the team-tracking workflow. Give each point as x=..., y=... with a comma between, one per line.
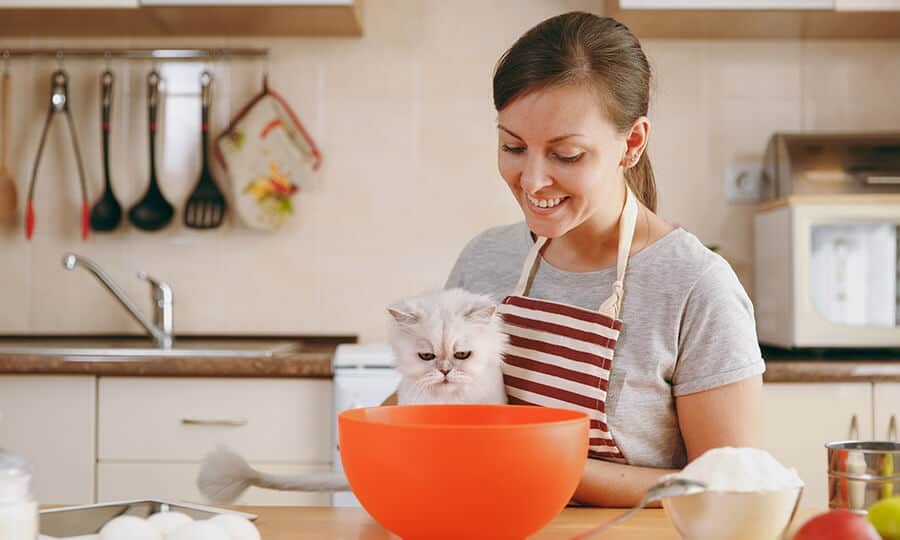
x=562, y=159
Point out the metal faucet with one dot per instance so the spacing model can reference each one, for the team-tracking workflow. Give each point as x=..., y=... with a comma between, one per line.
x=161, y=329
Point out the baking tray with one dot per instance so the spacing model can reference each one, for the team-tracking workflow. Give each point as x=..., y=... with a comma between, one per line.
x=90, y=518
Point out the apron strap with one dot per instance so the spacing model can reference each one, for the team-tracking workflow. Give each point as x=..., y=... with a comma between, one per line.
x=613, y=304
x=530, y=266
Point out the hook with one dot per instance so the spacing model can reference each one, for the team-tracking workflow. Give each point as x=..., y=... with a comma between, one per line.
x=6, y=60
x=266, y=66
x=107, y=57
x=59, y=58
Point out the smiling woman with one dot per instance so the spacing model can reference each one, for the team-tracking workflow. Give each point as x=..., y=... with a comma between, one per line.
x=666, y=371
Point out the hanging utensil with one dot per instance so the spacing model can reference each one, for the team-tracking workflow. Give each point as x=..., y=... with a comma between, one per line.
x=267, y=154
x=205, y=208
x=8, y=195
x=59, y=103
x=107, y=213
x=153, y=212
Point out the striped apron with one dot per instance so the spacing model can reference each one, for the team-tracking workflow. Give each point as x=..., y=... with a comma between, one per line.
x=561, y=355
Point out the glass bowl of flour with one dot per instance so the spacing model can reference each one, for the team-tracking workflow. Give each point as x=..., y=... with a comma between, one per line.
x=749, y=496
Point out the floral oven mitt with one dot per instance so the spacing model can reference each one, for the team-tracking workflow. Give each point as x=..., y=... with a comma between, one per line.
x=267, y=154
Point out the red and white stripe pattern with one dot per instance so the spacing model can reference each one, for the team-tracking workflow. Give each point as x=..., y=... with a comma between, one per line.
x=560, y=356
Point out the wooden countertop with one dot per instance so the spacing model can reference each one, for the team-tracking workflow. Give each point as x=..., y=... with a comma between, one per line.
x=309, y=357
x=831, y=365
x=322, y=523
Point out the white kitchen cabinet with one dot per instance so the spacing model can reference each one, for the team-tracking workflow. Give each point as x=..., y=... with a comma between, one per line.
x=867, y=5
x=728, y=4
x=886, y=407
x=145, y=419
x=50, y=421
x=800, y=418
x=123, y=481
x=68, y=4
x=154, y=431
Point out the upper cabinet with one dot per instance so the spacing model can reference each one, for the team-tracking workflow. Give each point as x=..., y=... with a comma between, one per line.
x=180, y=18
x=727, y=4
x=867, y=5
x=754, y=19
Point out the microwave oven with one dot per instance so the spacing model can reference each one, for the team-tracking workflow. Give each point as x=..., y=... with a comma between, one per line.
x=826, y=271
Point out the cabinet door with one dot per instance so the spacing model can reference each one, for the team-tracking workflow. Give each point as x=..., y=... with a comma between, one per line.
x=728, y=4
x=800, y=418
x=887, y=411
x=50, y=421
x=123, y=481
x=68, y=4
x=867, y=5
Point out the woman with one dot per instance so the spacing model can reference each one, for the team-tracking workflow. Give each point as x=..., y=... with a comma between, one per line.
x=572, y=97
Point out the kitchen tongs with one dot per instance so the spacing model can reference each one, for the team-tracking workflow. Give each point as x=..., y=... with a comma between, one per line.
x=59, y=103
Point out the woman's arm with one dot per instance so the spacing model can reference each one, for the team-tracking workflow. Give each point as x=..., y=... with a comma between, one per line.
x=725, y=416
x=730, y=415
x=604, y=483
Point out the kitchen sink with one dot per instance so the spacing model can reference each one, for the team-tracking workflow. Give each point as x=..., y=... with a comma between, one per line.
x=140, y=347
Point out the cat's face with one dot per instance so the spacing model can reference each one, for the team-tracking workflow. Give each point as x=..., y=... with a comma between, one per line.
x=445, y=340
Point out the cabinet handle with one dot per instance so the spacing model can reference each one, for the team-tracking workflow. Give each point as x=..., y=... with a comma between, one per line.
x=854, y=428
x=892, y=428
x=214, y=422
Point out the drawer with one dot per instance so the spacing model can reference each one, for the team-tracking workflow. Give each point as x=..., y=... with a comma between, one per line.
x=147, y=419
x=123, y=481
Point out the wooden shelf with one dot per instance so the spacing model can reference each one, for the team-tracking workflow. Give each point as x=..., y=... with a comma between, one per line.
x=756, y=24
x=343, y=20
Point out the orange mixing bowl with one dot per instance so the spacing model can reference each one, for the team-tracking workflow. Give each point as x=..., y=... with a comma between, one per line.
x=433, y=472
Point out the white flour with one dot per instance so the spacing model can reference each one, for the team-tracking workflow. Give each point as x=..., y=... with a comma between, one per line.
x=740, y=469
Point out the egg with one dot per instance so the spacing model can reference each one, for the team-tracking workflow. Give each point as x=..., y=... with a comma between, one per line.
x=129, y=528
x=166, y=522
x=237, y=527
x=198, y=530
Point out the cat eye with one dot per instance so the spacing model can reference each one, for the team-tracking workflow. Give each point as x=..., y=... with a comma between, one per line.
x=462, y=355
x=427, y=356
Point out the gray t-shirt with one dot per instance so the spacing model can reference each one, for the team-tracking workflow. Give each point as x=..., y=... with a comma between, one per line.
x=687, y=327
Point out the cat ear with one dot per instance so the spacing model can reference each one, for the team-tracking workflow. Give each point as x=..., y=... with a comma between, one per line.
x=403, y=317
x=481, y=313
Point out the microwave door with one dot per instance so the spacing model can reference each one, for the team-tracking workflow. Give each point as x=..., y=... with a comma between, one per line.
x=853, y=276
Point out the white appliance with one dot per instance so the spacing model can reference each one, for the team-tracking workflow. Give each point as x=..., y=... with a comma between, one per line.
x=364, y=376
x=826, y=271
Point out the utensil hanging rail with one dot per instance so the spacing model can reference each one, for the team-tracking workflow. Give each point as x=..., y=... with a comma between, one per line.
x=136, y=54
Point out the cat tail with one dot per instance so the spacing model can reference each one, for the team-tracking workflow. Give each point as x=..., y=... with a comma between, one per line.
x=225, y=475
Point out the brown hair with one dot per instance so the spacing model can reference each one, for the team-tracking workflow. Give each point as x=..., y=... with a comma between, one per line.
x=582, y=48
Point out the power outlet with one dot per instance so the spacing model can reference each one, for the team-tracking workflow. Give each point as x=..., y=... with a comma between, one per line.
x=743, y=180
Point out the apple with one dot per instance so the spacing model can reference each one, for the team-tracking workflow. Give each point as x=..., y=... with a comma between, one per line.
x=837, y=525
x=885, y=516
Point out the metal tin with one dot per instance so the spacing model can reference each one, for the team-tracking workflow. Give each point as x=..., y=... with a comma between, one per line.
x=89, y=519
x=861, y=473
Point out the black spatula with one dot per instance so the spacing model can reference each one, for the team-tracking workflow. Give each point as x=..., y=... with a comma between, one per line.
x=205, y=209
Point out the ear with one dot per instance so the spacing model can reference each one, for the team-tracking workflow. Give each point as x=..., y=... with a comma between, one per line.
x=636, y=142
x=403, y=317
x=481, y=313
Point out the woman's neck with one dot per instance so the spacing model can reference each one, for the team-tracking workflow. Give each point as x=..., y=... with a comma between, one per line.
x=593, y=245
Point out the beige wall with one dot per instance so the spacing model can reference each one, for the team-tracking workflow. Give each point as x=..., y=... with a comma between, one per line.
x=404, y=119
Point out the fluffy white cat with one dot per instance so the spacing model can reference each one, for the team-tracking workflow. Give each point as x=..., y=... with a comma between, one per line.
x=448, y=347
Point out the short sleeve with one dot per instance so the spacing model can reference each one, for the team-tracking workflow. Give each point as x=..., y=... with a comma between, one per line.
x=717, y=337
x=457, y=276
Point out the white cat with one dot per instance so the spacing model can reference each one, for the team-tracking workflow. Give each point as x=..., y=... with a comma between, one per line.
x=448, y=347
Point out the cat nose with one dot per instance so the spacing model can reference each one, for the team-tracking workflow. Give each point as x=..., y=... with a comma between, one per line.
x=444, y=371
